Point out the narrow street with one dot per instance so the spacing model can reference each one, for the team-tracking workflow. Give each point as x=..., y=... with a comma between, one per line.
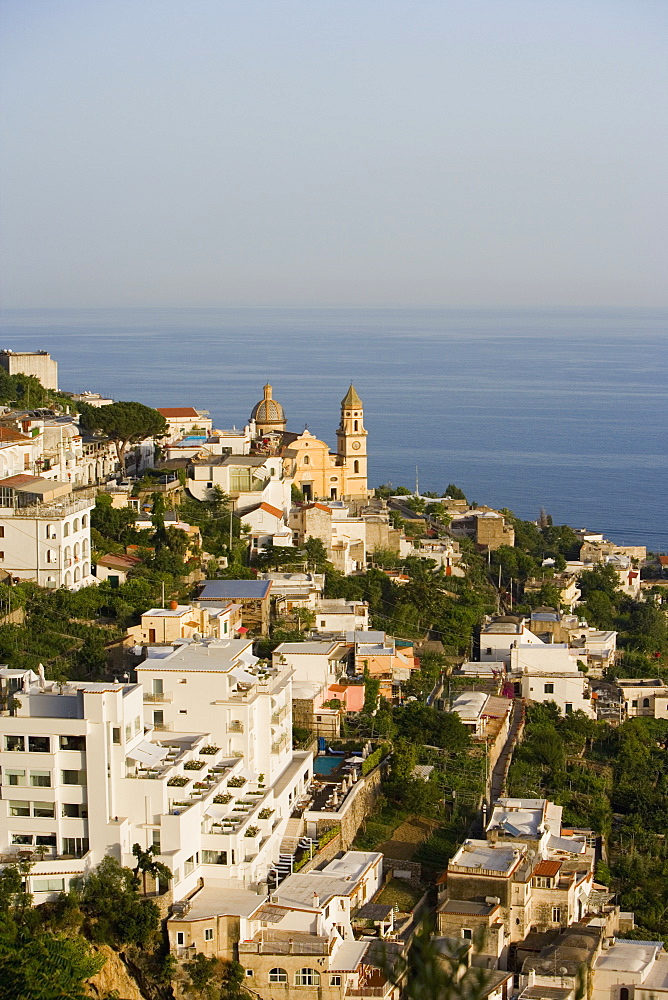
x=502, y=765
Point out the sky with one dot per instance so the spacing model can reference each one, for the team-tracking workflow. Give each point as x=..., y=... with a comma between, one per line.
x=333, y=152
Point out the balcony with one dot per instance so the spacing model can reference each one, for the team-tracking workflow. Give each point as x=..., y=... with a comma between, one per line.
x=297, y=943
x=235, y=727
x=156, y=697
x=55, y=509
x=163, y=727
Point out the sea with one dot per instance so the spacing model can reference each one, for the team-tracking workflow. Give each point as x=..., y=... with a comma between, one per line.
x=564, y=410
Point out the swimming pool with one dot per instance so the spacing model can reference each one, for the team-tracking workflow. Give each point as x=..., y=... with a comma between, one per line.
x=326, y=764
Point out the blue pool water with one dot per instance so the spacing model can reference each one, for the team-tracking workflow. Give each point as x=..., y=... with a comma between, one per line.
x=326, y=764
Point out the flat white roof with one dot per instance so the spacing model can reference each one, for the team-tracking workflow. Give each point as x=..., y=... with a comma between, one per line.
x=469, y=705
x=628, y=956
x=500, y=858
x=211, y=655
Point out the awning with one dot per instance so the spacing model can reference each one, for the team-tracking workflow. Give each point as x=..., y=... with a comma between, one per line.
x=148, y=753
x=243, y=677
x=242, y=629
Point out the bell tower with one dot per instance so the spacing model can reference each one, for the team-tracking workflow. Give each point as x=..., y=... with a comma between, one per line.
x=351, y=445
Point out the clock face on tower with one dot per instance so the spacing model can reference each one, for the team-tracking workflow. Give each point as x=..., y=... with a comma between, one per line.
x=356, y=445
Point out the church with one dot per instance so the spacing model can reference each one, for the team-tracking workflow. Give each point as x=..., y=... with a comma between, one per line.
x=317, y=472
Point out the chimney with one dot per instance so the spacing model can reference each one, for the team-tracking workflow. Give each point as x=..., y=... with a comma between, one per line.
x=316, y=901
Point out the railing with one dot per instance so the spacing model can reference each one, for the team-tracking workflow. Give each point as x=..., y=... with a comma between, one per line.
x=158, y=696
x=278, y=745
x=372, y=991
x=235, y=727
x=58, y=508
x=163, y=727
x=321, y=947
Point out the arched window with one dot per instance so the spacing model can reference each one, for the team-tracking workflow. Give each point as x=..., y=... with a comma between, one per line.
x=356, y=466
x=84, y=521
x=77, y=550
x=68, y=579
x=67, y=555
x=50, y=554
x=645, y=703
x=624, y=993
x=84, y=569
x=75, y=526
x=278, y=976
x=84, y=547
x=306, y=460
x=355, y=425
x=77, y=574
x=66, y=529
x=50, y=531
x=307, y=977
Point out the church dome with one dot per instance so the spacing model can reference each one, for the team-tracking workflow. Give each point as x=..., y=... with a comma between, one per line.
x=268, y=412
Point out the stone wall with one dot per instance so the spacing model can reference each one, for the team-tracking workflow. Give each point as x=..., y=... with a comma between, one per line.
x=357, y=805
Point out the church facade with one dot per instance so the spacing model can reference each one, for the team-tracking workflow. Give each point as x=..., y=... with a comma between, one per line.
x=317, y=472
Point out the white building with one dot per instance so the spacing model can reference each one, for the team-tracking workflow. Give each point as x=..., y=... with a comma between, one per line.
x=184, y=421
x=338, y=615
x=84, y=776
x=45, y=532
x=37, y=363
x=631, y=970
x=644, y=696
x=247, y=479
x=319, y=661
x=499, y=636
x=545, y=673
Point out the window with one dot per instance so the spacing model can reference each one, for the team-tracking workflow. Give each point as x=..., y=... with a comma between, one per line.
x=278, y=976
x=128, y=731
x=48, y=885
x=323, y=624
x=116, y=735
x=46, y=839
x=180, y=938
x=249, y=972
x=568, y=708
x=66, y=529
x=73, y=777
x=72, y=810
x=39, y=744
x=16, y=743
x=40, y=779
x=356, y=467
x=14, y=777
x=307, y=977
x=84, y=521
x=44, y=810
x=335, y=981
x=634, y=704
x=542, y=882
x=208, y=933
x=76, y=742
x=355, y=425
x=158, y=719
x=22, y=839
x=76, y=846
x=624, y=993
x=19, y=808
x=549, y=689
x=645, y=703
x=155, y=841
x=467, y=933
x=306, y=460
x=556, y=914
x=488, y=651
x=2, y=531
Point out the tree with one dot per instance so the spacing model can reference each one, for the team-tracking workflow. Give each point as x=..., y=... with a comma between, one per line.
x=124, y=423
x=316, y=553
x=455, y=493
x=115, y=912
x=147, y=865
